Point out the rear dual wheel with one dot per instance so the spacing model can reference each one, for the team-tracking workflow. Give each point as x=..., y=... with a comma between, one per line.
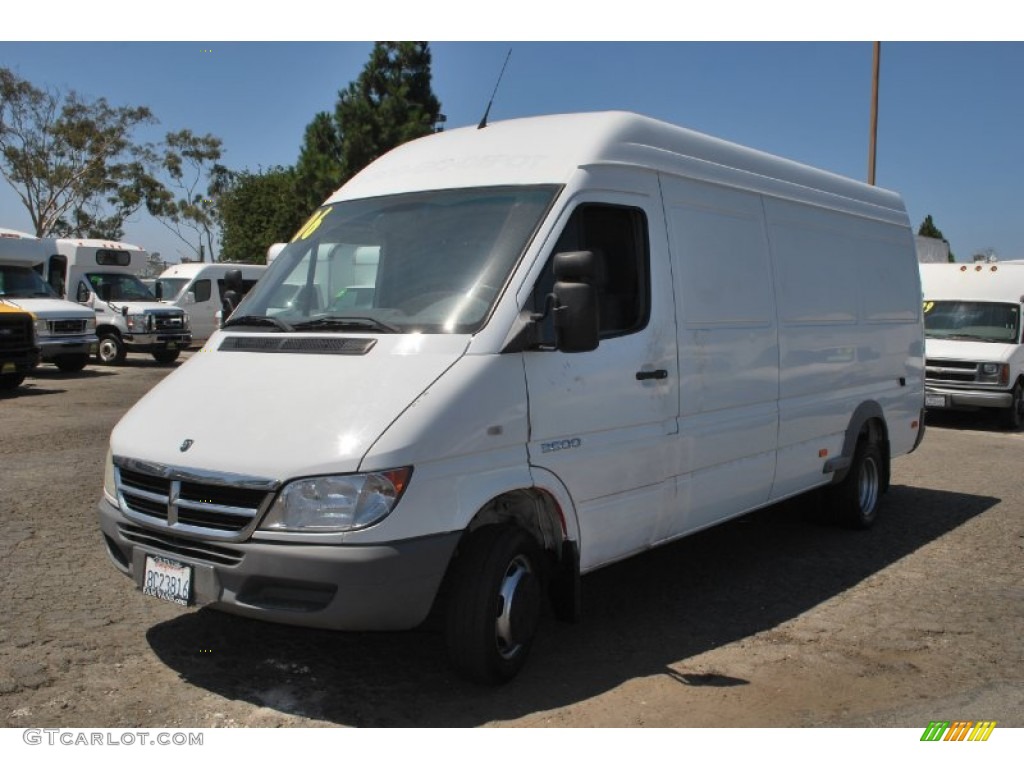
x=854, y=500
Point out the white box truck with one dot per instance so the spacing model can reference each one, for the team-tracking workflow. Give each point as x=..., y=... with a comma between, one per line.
x=588, y=335
x=103, y=275
x=199, y=289
x=974, y=357
x=65, y=331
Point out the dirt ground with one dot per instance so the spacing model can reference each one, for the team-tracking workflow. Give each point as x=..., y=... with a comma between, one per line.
x=768, y=621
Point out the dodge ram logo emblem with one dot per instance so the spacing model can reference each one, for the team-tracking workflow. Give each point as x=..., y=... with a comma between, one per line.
x=185, y=445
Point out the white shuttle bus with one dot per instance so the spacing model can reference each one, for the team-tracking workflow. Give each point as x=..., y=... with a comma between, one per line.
x=103, y=275
x=587, y=335
x=199, y=288
x=974, y=355
x=65, y=331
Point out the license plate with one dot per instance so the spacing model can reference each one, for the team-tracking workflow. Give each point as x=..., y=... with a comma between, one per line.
x=168, y=580
x=8, y=368
x=935, y=401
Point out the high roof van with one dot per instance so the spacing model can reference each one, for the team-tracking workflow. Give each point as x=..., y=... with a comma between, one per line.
x=575, y=338
x=199, y=289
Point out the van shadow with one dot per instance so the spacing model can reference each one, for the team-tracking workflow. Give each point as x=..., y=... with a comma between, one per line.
x=640, y=617
x=984, y=419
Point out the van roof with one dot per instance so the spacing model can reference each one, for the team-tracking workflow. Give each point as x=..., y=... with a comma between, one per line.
x=550, y=149
x=192, y=268
x=21, y=247
x=983, y=281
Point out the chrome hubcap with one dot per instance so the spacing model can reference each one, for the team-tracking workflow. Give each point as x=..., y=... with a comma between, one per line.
x=518, y=607
x=868, y=487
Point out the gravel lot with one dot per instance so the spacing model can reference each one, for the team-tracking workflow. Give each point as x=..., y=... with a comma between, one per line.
x=772, y=620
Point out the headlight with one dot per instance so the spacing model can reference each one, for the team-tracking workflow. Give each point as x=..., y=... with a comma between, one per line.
x=90, y=324
x=138, y=323
x=109, y=483
x=42, y=327
x=336, y=502
x=994, y=373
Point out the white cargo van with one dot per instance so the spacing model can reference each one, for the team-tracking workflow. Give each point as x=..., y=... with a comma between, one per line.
x=588, y=335
x=65, y=331
x=199, y=289
x=972, y=317
x=103, y=275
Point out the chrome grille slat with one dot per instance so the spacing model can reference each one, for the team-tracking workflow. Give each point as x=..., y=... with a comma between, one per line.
x=191, y=503
x=178, y=545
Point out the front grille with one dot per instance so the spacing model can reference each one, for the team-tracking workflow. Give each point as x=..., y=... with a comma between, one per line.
x=177, y=545
x=957, y=371
x=168, y=322
x=181, y=502
x=15, y=332
x=67, y=327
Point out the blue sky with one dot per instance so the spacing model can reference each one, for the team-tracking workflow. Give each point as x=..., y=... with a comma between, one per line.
x=950, y=114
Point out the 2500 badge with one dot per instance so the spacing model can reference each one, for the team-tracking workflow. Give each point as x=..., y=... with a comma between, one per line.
x=560, y=445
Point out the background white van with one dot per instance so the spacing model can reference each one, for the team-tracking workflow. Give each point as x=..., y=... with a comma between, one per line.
x=199, y=288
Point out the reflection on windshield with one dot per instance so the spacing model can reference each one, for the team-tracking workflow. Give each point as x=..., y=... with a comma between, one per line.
x=432, y=262
x=972, y=321
x=23, y=283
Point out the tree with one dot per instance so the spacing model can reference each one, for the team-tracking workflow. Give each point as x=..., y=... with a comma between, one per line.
x=188, y=208
x=73, y=163
x=319, y=168
x=258, y=210
x=928, y=229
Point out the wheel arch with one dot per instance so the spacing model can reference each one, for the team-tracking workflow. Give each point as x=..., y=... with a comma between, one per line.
x=867, y=421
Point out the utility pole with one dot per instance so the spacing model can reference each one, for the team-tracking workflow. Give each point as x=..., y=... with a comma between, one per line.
x=873, y=140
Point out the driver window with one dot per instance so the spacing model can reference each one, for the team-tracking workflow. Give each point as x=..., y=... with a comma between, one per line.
x=618, y=236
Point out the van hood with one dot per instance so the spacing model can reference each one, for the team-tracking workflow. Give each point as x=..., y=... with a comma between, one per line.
x=52, y=309
x=140, y=307
x=974, y=351
x=281, y=415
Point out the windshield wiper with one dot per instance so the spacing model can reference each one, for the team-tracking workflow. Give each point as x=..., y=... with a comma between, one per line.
x=352, y=323
x=258, y=320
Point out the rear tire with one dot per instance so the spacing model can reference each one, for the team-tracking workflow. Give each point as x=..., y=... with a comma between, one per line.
x=71, y=363
x=855, y=499
x=494, y=605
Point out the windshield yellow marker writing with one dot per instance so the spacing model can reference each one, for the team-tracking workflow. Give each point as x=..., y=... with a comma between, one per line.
x=312, y=225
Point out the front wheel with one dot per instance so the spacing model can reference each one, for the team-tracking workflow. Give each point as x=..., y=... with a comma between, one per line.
x=495, y=602
x=110, y=350
x=1012, y=417
x=71, y=363
x=854, y=500
x=166, y=355
x=11, y=381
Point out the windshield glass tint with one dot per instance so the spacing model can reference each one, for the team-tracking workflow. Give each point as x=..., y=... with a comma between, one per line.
x=122, y=287
x=432, y=262
x=972, y=321
x=22, y=283
x=170, y=287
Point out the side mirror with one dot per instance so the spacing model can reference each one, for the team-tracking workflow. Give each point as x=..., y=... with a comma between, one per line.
x=233, y=281
x=190, y=297
x=577, y=321
x=158, y=290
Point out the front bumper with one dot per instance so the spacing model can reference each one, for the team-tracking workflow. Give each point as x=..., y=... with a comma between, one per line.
x=949, y=397
x=154, y=342
x=371, y=587
x=52, y=347
x=19, y=362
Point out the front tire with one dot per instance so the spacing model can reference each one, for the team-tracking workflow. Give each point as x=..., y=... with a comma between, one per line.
x=1013, y=417
x=11, y=381
x=495, y=603
x=71, y=363
x=854, y=500
x=166, y=356
x=110, y=350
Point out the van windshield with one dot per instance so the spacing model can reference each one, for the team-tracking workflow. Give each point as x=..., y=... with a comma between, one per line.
x=122, y=287
x=972, y=321
x=429, y=262
x=18, y=282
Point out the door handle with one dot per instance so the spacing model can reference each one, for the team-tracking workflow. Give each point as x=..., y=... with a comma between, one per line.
x=659, y=374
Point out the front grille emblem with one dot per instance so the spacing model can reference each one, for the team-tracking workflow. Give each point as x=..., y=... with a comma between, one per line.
x=185, y=445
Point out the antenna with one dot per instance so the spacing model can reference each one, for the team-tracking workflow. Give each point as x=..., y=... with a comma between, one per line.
x=483, y=120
